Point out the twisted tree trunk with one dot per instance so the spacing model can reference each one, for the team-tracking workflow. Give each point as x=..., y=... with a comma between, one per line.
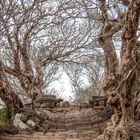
x=8, y=95
x=122, y=80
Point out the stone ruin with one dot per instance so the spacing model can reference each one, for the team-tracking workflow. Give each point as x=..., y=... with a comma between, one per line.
x=52, y=115
x=51, y=118
x=98, y=101
x=47, y=101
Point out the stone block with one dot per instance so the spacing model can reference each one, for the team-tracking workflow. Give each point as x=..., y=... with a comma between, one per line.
x=18, y=123
x=86, y=138
x=71, y=135
x=70, y=126
x=57, y=138
x=72, y=139
x=83, y=135
x=64, y=104
x=43, y=105
x=31, y=123
x=82, y=123
x=60, y=126
x=24, y=118
x=60, y=134
x=53, y=125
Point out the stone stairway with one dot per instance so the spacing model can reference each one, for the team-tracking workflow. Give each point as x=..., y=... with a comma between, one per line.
x=53, y=119
x=68, y=135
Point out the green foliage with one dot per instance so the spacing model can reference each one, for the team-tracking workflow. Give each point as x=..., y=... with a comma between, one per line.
x=4, y=115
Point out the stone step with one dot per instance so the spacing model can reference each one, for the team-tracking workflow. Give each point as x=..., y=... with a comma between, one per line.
x=87, y=135
x=45, y=138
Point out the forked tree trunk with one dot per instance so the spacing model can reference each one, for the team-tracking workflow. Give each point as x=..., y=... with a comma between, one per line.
x=122, y=80
x=7, y=94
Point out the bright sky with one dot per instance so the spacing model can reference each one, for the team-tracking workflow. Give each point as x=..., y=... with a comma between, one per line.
x=64, y=84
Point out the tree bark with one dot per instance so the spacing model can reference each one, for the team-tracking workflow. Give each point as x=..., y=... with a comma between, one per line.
x=8, y=95
x=122, y=79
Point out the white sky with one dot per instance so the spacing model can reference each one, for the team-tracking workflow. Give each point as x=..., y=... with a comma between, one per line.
x=63, y=83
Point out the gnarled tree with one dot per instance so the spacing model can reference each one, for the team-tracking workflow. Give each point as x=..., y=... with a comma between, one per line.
x=8, y=94
x=36, y=37
x=122, y=77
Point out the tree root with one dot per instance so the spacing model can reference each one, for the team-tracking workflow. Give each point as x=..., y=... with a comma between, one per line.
x=121, y=132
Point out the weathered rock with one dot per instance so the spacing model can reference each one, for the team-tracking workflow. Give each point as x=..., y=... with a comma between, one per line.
x=64, y=104
x=47, y=101
x=98, y=101
x=70, y=126
x=24, y=118
x=58, y=104
x=37, y=105
x=31, y=123
x=52, y=105
x=83, y=105
x=54, y=118
x=43, y=105
x=53, y=126
x=18, y=123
